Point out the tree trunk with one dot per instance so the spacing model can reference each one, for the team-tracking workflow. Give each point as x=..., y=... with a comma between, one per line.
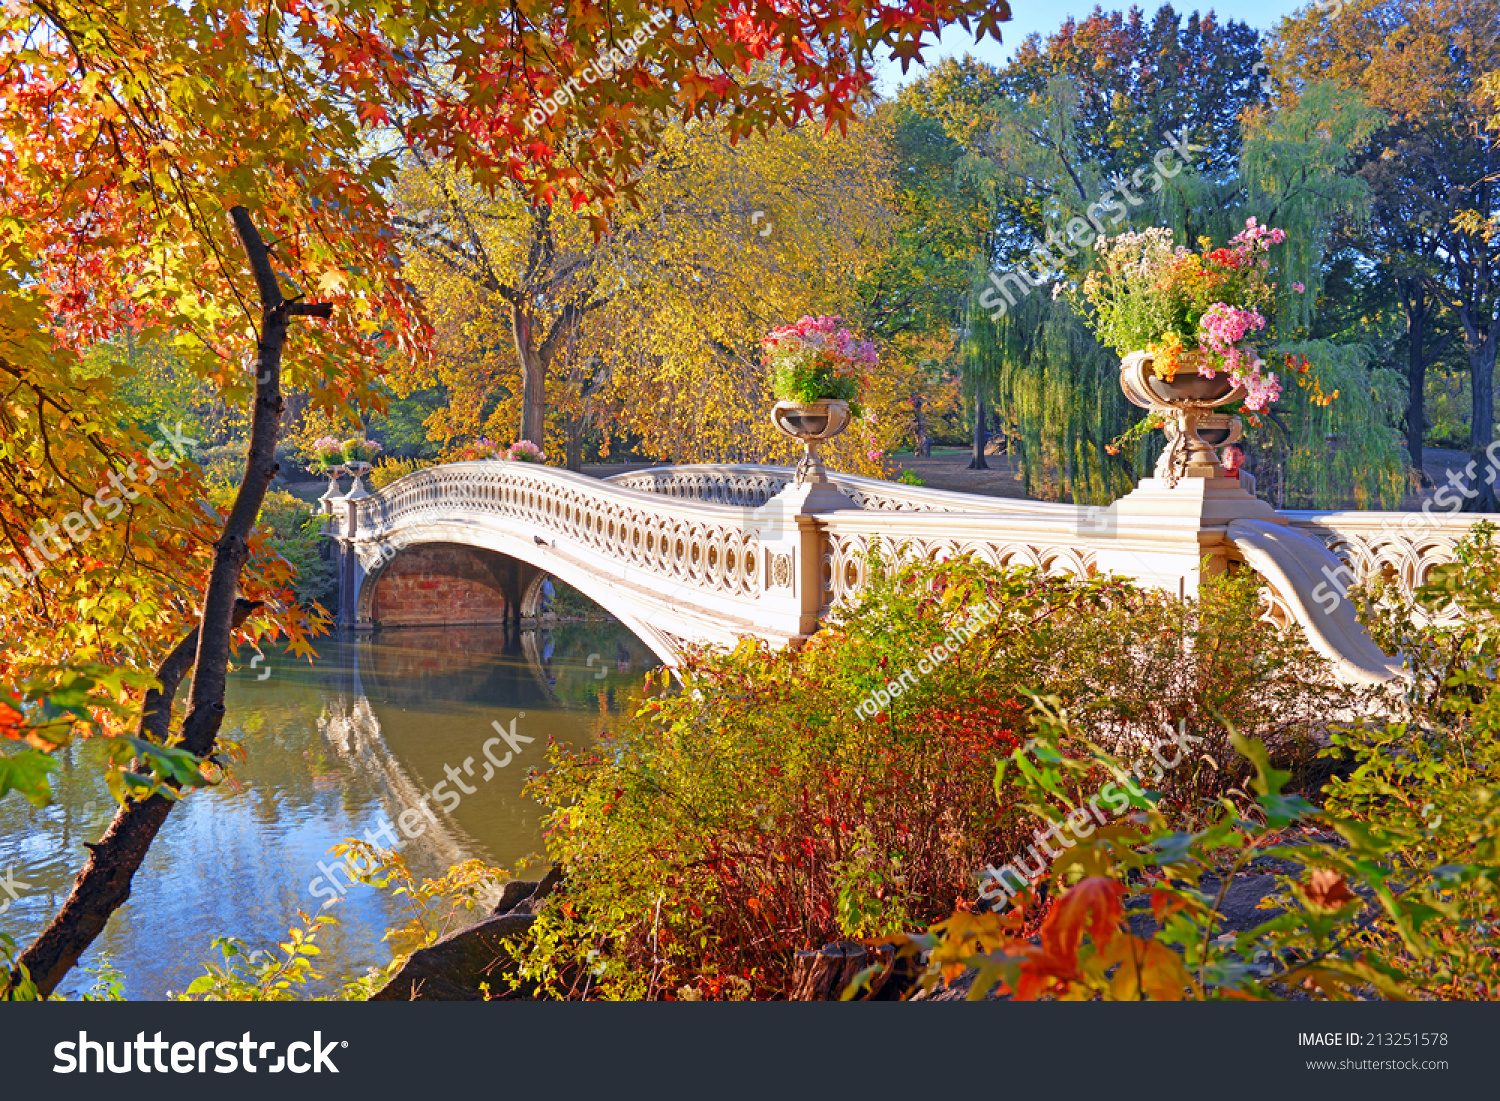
x=981, y=435
x=1415, y=302
x=825, y=974
x=103, y=885
x=922, y=446
x=533, y=377
x=1482, y=426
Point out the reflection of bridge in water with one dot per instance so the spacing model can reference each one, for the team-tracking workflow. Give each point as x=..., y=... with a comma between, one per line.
x=406, y=712
x=713, y=553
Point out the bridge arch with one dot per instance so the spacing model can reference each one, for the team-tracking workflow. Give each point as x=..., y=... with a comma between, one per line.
x=522, y=593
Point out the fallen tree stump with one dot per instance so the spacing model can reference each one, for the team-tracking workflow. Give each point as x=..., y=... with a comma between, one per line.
x=823, y=974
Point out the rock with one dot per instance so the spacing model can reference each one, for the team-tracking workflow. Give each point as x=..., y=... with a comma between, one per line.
x=453, y=968
x=515, y=891
x=550, y=882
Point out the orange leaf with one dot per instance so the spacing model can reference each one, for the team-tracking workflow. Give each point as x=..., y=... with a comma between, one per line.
x=1093, y=903
x=1327, y=890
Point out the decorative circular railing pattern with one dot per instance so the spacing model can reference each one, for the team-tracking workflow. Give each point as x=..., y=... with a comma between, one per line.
x=714, y=485
x=1400, y=547
x=705, y=547
x=845, y=565
x=752, y=486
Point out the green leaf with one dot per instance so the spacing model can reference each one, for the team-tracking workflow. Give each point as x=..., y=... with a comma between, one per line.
x=1268, y=780
x=26, y=772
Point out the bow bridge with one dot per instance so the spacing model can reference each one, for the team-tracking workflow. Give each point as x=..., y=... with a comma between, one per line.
x=709, y=554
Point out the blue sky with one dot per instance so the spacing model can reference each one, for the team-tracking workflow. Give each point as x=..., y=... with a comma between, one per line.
x=1044, y=18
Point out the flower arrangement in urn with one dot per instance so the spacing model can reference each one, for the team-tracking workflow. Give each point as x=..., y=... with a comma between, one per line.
x=327, y=456
x=818, y=359
x=357, y=450
x=1190, y=311
x=482, y=448
x=1181, y=322
x=817, y=369
x=524, y=451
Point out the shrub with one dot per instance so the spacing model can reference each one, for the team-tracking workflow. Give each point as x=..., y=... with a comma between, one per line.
x=1453, y=665
x=434, y=908
x=224, y=464
x=1397, y=893
x=1397, y=907
x=784, y=799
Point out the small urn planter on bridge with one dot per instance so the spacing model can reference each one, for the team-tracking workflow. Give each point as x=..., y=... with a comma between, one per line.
x=333, y=474
x=811, y=423
x=817, y=369
x=328, y=462
x=357, y=457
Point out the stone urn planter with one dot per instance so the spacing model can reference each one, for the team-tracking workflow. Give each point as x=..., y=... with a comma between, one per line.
x=1187, y=404
x=333, y=473
x=812, y=422
x=358, y=470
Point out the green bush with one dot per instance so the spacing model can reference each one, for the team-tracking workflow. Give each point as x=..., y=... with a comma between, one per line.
x=1382, y=904
x=1397, y=887
x=388, y=470
x=768, y=808
x=224, y=464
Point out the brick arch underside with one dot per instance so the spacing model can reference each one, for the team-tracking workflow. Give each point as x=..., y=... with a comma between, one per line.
x=442, y=583
x=434, y=584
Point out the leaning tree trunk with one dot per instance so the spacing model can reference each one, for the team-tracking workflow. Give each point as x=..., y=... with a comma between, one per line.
x=981, y=435
x=103, y=886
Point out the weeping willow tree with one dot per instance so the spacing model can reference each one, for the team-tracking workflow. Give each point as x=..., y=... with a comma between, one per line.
x=1056, y=388
x=1057, y=393
x=1344, y=454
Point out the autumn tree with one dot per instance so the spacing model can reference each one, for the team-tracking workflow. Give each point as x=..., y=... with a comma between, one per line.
x=537, y=319
x=913, y=297
x=127, y=132
x=1434, y=172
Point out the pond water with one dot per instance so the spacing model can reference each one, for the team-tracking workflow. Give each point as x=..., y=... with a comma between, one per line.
x=332, y=749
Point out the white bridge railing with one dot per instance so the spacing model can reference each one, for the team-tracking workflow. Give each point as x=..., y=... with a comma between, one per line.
x=713, y=552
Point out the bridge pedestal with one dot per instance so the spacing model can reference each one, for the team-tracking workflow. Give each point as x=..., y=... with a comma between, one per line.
x=1169, y=536
x=797, y=508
